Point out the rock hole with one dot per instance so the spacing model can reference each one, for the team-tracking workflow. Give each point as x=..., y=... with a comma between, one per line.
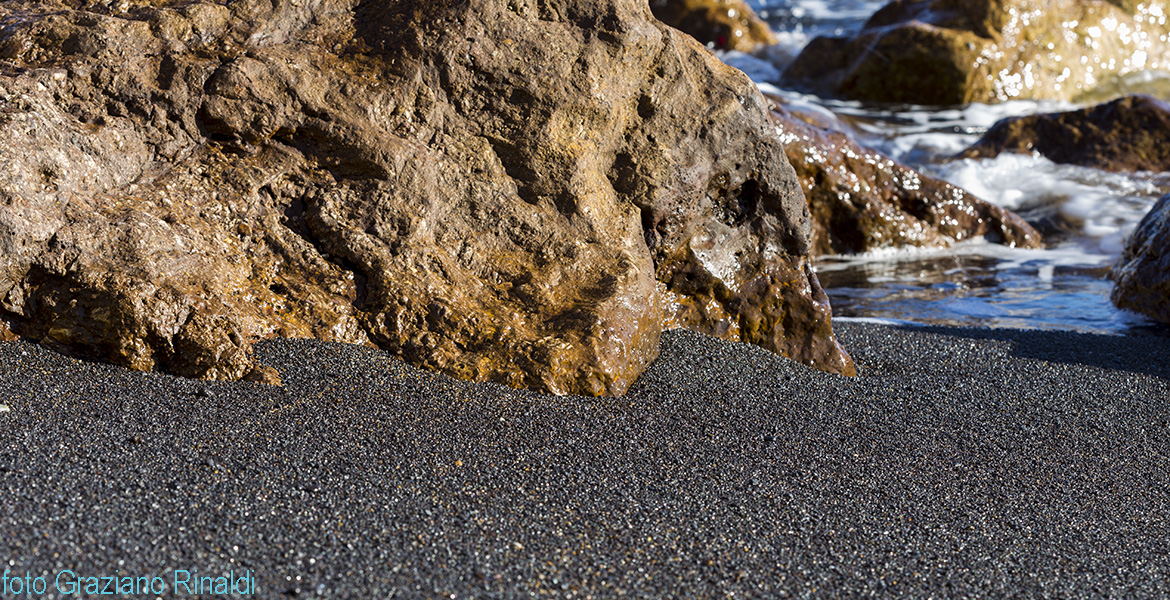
x=646, y=107
x=623, y=174
x=48, y=179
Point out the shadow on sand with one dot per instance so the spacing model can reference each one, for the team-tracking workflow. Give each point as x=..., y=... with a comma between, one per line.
x=1145, y=351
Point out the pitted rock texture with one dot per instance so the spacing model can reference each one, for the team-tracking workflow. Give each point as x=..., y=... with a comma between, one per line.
x=721, y=24
x=863, y=200
x=1141, y=278
x=1127, y=134
x=946, y=52
x=504, y=190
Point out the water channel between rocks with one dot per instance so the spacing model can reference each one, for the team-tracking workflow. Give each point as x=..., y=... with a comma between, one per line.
x=1085, y=213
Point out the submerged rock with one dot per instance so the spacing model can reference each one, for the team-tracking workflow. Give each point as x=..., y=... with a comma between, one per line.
x=721, y=24
x=862, y=200
x=501, y=190
x=1142, y=276
x=958, y=51
x=1127, y=134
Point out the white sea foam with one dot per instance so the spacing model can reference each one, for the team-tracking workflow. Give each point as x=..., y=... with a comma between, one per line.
x=883, y=266
x=788, y=45
x=973, y=117
x=760, y=70
x=830, y=110
x=921, y=135
x=821, y=10
x=878, y=321
x=1108, y=205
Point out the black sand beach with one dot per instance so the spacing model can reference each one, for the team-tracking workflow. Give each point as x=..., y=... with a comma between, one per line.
x=960, y=463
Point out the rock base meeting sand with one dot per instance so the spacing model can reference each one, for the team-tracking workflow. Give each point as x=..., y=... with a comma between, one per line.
x=960, y=462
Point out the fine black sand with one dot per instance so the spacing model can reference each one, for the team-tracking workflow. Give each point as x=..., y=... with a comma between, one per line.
x=960, y=463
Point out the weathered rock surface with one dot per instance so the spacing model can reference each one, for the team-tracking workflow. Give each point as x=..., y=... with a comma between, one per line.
x=1142, y=276
x=957, y=51
x=862, y=200
x=1127, y=134
x=505, y=190
x=721, y=24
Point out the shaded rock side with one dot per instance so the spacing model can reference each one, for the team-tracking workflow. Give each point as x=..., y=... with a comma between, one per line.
x=1127, y=134
x=946, y=52
x=499, y=190
x=720, y=24
x=862, y=200
x=1142, y=275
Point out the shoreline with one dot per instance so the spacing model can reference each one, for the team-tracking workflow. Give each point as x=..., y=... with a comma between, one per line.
x=958, y=462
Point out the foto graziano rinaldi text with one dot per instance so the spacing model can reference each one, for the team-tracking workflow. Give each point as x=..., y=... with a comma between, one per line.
x=181, y=582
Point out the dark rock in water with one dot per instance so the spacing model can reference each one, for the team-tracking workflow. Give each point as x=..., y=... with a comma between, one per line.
x=721, y=24
x=862, y=200
x=1142, y=275
x=1127, y=134
x=957, y=51
x=505, y=190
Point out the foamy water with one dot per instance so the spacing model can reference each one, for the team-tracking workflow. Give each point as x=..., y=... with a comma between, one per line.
x=1084, y=213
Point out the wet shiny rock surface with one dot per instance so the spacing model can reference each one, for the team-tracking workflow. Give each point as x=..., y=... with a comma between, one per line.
x=944, y=52
x=1142, y=275
x=722, y=24
x=862, y=200
x=520, y=192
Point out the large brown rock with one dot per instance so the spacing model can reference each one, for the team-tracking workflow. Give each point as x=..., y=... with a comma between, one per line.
x=1127, y=134
x=1142, y=276
x=720, y=24
x=504, y=190
x=863, y=200
x=957, y=51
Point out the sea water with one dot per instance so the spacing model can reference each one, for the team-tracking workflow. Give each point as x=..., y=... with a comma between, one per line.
x=1085, y=214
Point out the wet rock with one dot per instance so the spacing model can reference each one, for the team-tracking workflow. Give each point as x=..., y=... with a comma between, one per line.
x=1142, y=275
x=958, y=51
x=508, y=191
x=720, y=24
x=862, y=200
x=6, y=334
x=1127, y=134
